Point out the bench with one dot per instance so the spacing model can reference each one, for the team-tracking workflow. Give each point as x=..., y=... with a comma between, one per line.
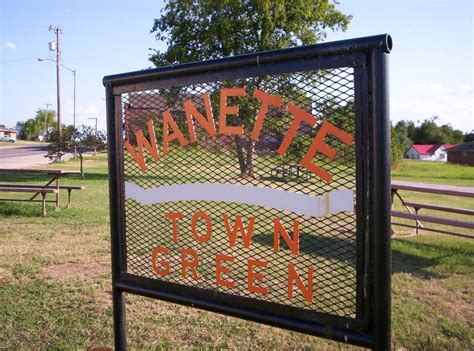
x=418, y=218
x=43, y=191
x=69, y=189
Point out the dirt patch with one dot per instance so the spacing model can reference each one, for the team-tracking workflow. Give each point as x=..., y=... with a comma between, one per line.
x=5, y=275
x=90, y=270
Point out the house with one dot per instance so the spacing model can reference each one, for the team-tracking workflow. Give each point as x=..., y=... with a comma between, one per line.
x=7, y=132
x=462, y=154
x=428, y=152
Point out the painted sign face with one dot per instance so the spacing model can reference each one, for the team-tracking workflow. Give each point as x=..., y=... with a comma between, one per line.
x=266, y=232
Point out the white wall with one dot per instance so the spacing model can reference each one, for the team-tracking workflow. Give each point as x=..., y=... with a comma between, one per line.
x=439, y=155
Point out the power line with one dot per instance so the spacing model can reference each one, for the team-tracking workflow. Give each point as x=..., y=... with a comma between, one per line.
x=18, y=60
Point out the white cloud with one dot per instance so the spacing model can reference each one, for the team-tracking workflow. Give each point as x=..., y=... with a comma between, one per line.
x=431, y=88
x=453, y=104
x=10, y=45
x=464, y=87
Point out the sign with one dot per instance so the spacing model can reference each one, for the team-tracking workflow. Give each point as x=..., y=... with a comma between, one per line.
x=257, y=186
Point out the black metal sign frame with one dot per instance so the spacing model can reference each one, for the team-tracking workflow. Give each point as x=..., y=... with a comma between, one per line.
x=368, y=57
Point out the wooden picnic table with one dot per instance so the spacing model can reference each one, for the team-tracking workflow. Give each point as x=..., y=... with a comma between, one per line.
x=55, y=174
x=441, y=189
x=433, y=188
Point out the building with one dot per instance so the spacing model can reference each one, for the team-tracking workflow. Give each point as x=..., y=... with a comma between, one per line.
x=8, y=132
x=428, y=152
x=462, y=154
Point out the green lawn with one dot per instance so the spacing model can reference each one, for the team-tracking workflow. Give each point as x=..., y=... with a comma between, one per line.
x=55, y=282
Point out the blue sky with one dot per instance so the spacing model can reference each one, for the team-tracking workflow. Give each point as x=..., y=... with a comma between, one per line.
x=431, y=65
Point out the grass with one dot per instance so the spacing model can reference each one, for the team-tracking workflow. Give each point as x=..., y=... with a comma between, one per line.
x=21, y=142
x=55, y=283
x=435, y=172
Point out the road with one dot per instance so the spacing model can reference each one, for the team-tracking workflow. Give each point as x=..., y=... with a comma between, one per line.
x=23, y=156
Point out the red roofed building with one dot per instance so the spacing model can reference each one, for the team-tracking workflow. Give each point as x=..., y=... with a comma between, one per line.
x=428, y=152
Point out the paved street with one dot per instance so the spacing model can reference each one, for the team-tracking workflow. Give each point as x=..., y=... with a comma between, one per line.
x=23, y=156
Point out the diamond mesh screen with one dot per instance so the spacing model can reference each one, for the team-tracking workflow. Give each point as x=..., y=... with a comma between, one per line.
x=327, y=244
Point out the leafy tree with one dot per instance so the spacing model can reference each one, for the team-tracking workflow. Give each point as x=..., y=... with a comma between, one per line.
x=400, y=142
x=468, y=137
x=41, y=124
x=403, y=130
x=428, y=132
x=397, y=147
x=208, y=29
x=75, y=141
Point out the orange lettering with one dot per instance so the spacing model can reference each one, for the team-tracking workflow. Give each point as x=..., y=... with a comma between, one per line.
x=278, y=230
x=143, y=142
x=239, y=227
x=318, y=145
x=191, y=111
x=165, y=269
x=207, y=236
x=191, y=264
x=174, y=216
x=168, y=121
x=293, y=276
x=252, y=276
x=267, y=100
x=300, y=116
x=229, y=110
x=223, y=270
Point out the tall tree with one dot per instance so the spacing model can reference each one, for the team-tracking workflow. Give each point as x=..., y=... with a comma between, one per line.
x=41, y=124
x=208, y=29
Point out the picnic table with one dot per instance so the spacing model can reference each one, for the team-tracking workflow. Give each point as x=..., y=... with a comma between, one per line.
x=52, y=185
x=440, y=189
x=289, y=171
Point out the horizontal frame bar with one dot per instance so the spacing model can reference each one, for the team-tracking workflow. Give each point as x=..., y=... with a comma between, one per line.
x=382, y=42
x=336, y=334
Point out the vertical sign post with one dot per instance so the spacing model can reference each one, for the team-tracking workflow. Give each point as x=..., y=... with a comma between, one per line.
x=257, y=186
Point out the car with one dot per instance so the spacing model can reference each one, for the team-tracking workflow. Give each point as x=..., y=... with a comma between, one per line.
x=7, y=139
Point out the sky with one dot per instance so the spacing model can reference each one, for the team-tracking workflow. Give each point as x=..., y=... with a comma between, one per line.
x=431, y=64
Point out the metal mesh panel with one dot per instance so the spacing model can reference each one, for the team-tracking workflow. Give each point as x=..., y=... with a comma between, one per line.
x=327, y=244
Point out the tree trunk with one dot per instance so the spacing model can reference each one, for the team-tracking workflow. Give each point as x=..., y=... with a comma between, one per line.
x=240, y=153
x=82, y=169
x=248, y=172
x=245, y=160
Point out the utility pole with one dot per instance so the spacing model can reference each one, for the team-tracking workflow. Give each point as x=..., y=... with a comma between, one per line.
x=74, y=113
x=58, y=31
x=46, y=120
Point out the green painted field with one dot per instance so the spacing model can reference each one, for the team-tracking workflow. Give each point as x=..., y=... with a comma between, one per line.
x=55, y=282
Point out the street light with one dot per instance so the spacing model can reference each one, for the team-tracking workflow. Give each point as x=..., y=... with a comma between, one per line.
x=74, y=75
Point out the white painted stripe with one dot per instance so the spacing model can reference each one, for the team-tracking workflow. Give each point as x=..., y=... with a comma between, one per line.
x=330, y=202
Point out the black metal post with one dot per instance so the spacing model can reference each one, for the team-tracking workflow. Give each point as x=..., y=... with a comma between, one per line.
x=381, y=287
x=118, y=299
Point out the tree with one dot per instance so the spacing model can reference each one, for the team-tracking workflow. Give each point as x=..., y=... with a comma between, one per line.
x=403, y=130
x=75, y=141
x=428, y=132
x=468, y=137
x=209, y=29
x=41, y=124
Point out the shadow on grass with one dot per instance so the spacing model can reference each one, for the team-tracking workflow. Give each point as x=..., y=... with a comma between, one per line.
x=8, y=209
x=18, y=178
x=333, y=247
x=429, y=261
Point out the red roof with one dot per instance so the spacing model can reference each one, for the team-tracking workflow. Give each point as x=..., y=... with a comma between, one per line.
x=448, y=146
x=430, y=149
